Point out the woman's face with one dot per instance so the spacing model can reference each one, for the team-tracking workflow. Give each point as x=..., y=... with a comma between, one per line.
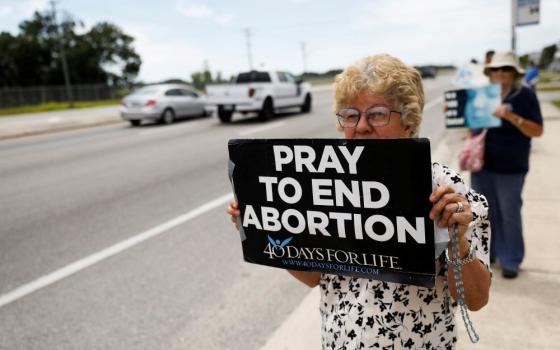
x=502, y=75
x=364, y=130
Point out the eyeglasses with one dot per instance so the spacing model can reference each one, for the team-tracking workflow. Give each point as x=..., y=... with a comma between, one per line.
x=503, y=69
x=375, y=116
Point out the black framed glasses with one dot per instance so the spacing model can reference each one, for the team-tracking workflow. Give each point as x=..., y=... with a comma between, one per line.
x=375, y=115
x=503, y=69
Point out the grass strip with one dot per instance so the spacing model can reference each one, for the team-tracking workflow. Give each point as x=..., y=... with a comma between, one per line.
x=56, y=106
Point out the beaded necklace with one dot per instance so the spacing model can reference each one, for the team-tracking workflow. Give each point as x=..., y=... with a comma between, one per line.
x=459, y=287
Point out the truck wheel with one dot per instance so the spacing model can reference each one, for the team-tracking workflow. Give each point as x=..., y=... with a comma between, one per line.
x=306, y=107
x=225, y=116
x=167, y=117
x=267, y=111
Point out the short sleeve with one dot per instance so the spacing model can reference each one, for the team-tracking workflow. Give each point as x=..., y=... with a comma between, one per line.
x=535, y=109
x=479, y=229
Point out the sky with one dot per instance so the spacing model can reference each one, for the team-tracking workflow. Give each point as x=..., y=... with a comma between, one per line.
x=178, y=37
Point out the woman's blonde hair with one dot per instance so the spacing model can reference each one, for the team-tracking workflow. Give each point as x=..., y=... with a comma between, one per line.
x=388, y=77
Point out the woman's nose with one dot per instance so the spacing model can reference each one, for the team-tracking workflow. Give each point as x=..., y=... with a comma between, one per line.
x=363, y=124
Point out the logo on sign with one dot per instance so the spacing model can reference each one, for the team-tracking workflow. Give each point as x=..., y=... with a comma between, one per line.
x=276, y=244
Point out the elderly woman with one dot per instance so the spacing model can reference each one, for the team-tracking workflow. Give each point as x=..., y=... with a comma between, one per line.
x=506, y=160
x=380, y=97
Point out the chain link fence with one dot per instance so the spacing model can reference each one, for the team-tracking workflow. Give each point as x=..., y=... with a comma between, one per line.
x=33, y=95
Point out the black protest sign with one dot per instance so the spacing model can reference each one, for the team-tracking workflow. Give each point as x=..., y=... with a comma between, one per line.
x=350, y=207
x=473, y=108
x=455, y=101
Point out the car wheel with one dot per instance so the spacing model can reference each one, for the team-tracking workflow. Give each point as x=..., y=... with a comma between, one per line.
x=306, y=107
x=168, y=116
x=267, y=111
x=225, y=116
x=134, y=122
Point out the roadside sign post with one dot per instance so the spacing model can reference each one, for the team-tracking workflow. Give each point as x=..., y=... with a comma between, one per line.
x=523, y=13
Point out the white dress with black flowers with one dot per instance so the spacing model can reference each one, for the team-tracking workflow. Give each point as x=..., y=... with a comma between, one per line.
x=358, y=313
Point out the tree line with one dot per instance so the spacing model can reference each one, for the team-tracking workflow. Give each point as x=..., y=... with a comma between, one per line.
x=546, y=57
x=103, y=54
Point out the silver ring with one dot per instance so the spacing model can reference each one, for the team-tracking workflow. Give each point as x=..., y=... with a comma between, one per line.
x=460, y=207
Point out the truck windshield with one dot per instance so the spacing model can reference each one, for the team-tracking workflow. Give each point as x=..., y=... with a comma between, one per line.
x=253, y=77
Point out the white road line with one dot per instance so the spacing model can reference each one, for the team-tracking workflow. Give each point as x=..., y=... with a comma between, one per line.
x=93, y=259
x=261, y=128
x=54, y=120
x=433, y=103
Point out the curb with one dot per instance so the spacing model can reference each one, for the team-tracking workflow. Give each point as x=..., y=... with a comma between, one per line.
x=67, y=127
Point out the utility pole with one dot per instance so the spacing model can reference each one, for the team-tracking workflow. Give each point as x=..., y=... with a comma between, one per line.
x=304, y=56
x=513, y=24
x=248, y=37
x=63, y=57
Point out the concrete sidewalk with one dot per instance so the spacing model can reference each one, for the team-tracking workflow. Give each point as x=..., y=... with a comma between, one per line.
x=523, y=313
x=45, y=122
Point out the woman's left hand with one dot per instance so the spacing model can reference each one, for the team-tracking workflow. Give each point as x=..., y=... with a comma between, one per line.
x=476, y=277
x=503, y=112
x=447, y=209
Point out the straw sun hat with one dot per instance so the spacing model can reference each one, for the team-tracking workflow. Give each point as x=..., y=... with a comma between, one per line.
x=504, y=59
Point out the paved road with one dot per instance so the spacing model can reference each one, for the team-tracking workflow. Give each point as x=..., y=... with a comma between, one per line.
x=74, y=202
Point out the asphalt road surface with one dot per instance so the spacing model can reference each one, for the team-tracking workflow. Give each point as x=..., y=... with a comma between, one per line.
x=117, y=238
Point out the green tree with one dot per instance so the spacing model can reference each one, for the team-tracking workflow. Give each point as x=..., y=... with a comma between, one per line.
x=547, y=56
x=524, y=60
x=104, y=54
x=8, y=66
x=108, y=47
x=200, y=79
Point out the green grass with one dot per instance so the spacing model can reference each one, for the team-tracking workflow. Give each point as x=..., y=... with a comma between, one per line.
x=556, y=103
x=548, y=88
x=548, y=77
x=56, y=106
x=320, y=81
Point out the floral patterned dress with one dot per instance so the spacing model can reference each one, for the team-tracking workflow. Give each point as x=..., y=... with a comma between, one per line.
x=359, y=313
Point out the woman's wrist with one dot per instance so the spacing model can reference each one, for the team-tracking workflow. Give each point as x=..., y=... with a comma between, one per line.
x=464, y=257
x=515, y=119
x=464, y=248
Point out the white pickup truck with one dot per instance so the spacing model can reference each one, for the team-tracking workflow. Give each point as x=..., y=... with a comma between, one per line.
x=261, y=92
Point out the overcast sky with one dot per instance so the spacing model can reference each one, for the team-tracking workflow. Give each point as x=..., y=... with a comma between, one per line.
x=176, y=37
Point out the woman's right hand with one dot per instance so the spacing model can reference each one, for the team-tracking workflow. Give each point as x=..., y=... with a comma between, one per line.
x=234, y=212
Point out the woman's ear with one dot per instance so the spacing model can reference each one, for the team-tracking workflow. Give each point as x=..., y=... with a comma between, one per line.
x=407, y=130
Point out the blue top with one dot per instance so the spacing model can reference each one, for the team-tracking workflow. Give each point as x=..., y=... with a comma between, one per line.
x=532, y=75
x=506, y=148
